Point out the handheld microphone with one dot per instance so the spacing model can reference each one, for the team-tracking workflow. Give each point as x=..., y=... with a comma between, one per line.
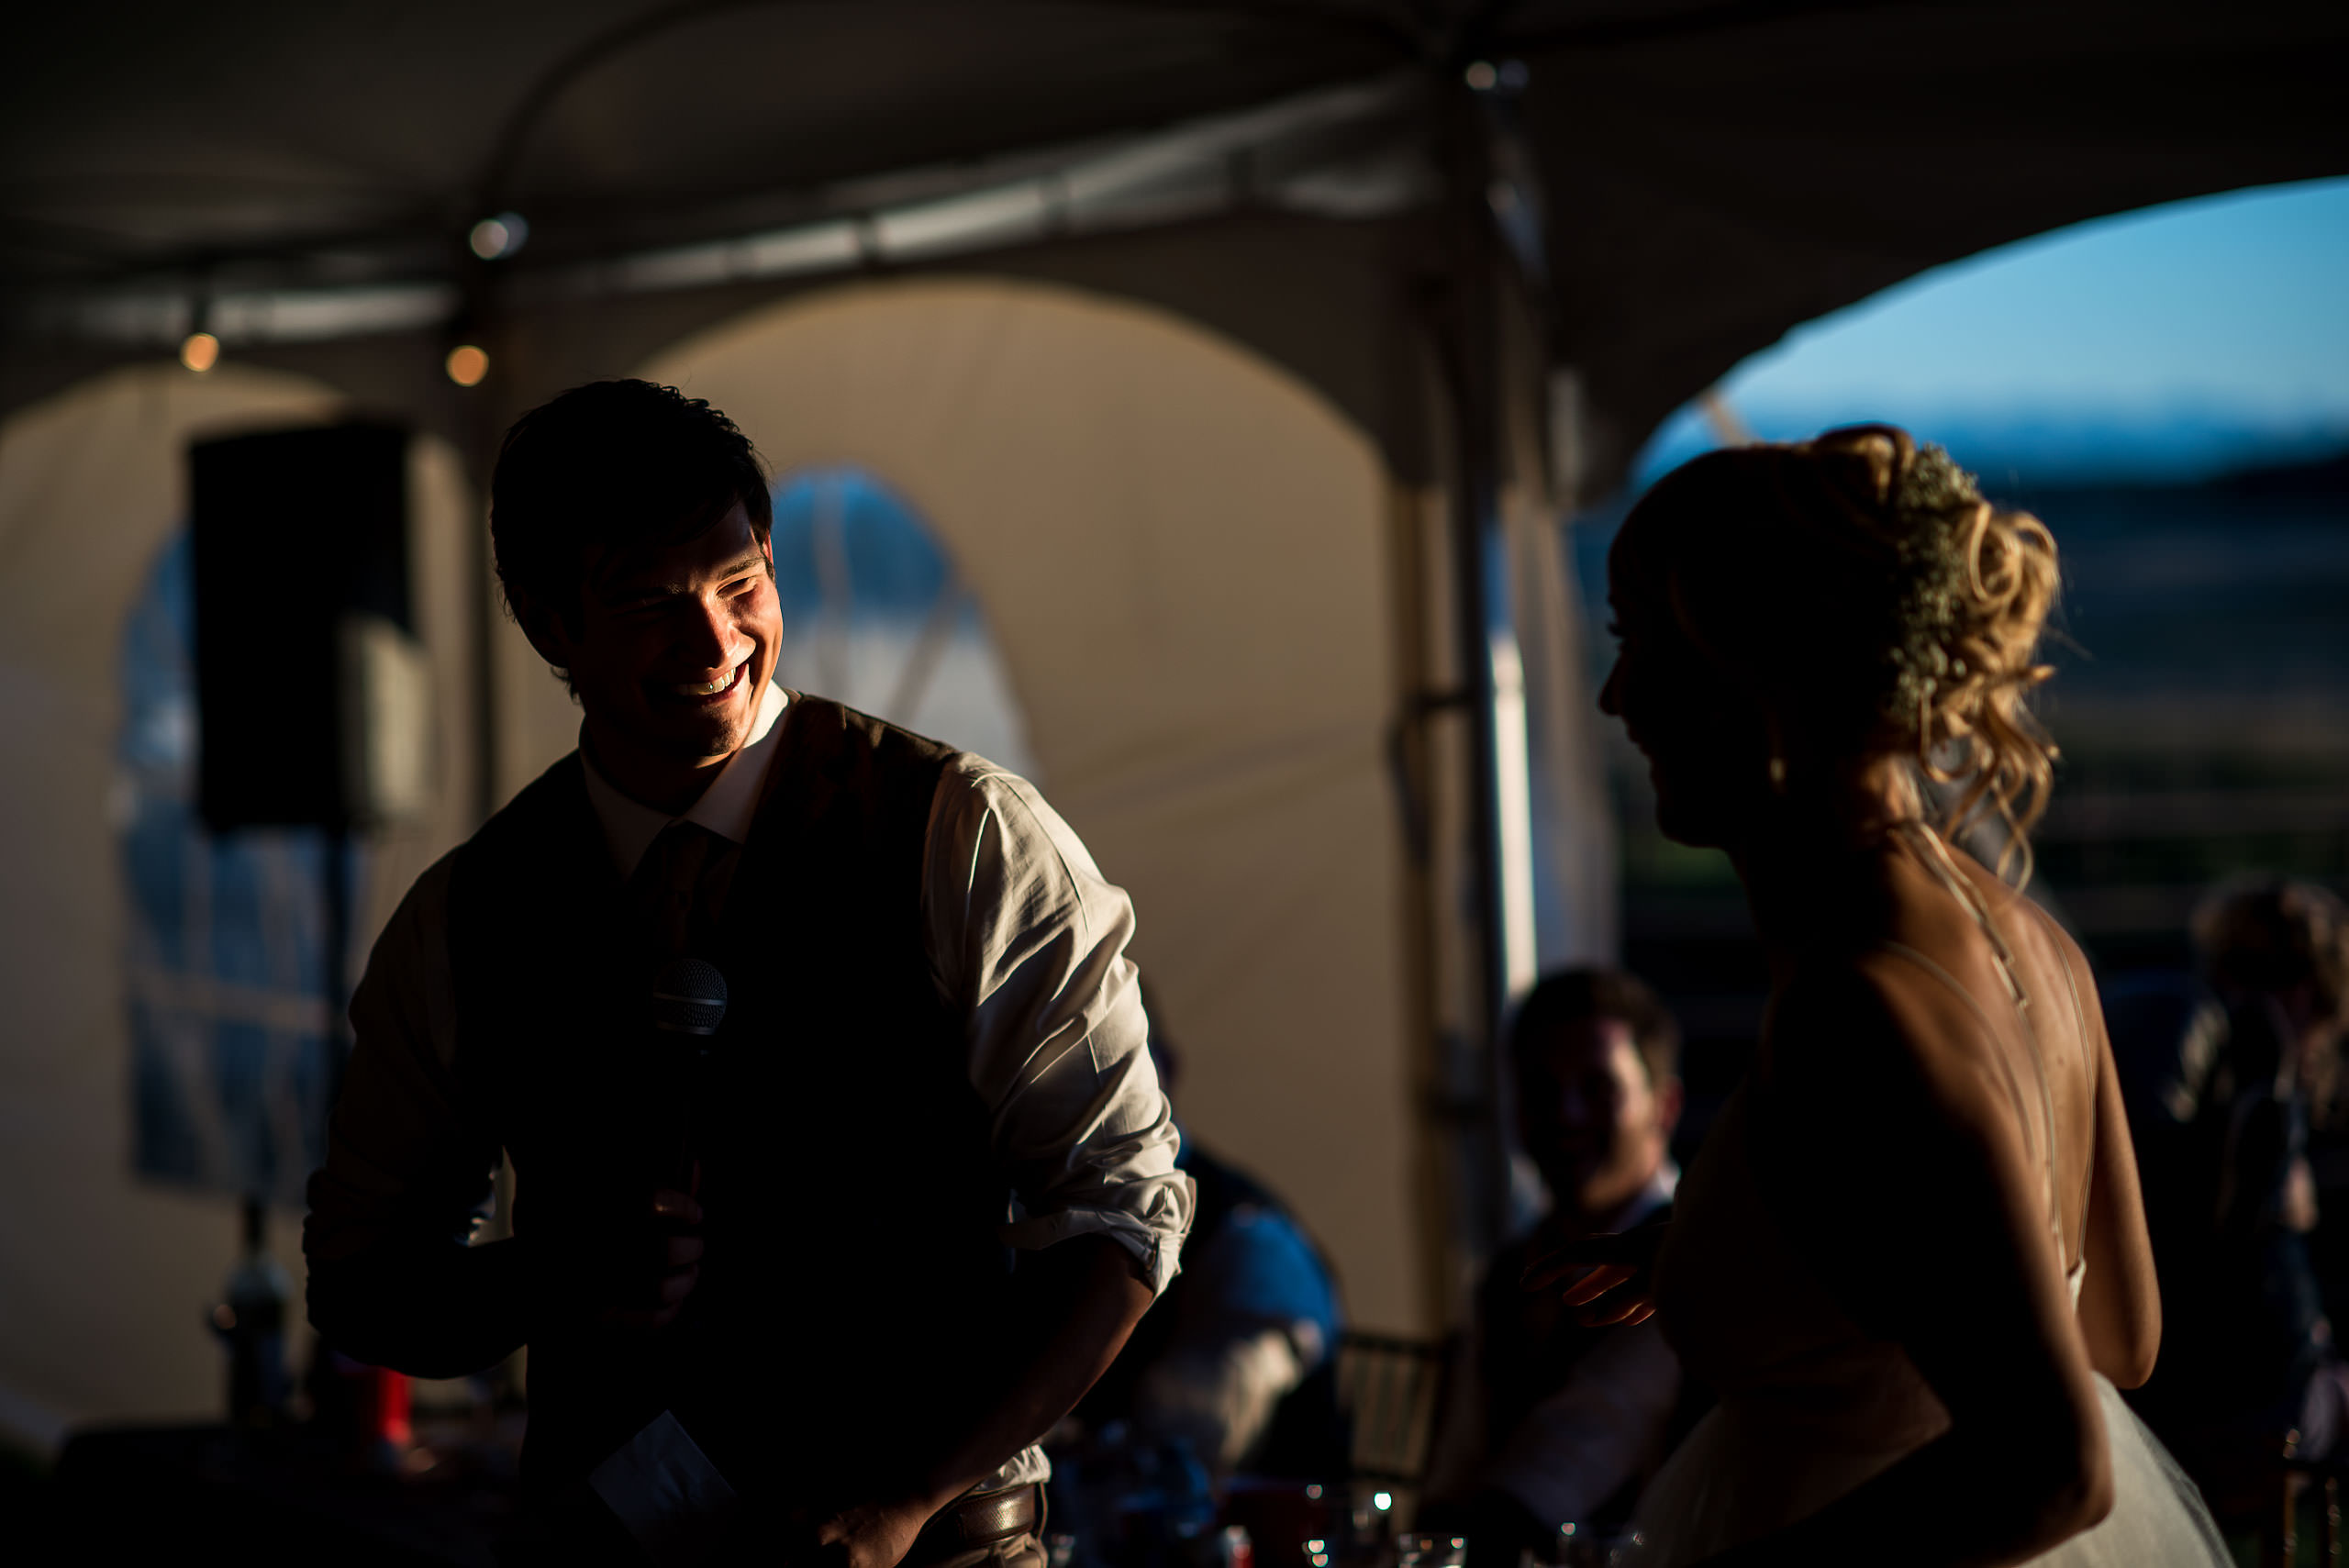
x=689, y=998
x=688, y=1004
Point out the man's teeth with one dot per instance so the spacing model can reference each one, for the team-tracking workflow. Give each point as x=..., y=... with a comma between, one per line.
x=714, y=687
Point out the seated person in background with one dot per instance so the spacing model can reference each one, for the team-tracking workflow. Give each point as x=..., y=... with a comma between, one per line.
x=1238, y=1356
x=1546, y=1422
x=2221, y=1106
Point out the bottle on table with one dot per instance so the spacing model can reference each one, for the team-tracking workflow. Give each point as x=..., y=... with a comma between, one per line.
x=251, y=1322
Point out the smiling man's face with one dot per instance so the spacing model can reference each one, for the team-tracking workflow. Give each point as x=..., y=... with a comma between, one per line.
x=1595, y=1124
x=673, y=645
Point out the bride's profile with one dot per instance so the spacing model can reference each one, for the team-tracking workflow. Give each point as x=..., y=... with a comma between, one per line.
x=1910, y=1257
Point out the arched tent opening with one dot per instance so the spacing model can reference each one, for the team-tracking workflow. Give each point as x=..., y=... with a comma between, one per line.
x=2164, y=388
x=115, y=971
x=877, y=616
x=1184, y=556
x=232, y=1060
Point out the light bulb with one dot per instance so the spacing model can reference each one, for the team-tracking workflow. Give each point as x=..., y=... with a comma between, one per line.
x=466, y=365
x=501, y=235
x=200, y=352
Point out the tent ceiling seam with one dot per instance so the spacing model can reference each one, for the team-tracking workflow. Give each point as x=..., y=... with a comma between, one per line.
x=492, y=185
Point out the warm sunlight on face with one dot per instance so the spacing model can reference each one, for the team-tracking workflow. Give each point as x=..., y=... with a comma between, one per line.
x=675, y=643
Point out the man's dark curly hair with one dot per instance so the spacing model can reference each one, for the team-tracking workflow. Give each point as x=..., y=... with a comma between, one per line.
x=614, y=463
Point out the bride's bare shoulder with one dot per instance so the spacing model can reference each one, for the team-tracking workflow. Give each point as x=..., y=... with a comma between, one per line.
x=2050, y=962
x=1900, y=1017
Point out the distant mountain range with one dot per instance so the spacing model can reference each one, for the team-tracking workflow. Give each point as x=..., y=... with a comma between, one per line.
x=2323, y=480
x=2027, y=448
x=2206, y=567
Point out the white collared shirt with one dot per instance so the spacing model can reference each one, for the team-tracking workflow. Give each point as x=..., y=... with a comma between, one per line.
x=725, y=808
x=1582, y=1441
x=1025, y=938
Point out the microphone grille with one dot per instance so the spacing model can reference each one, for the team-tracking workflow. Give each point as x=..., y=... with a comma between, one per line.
x=688, y=997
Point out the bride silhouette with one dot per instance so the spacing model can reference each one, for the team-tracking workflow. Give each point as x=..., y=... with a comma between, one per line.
x=1911, y=1256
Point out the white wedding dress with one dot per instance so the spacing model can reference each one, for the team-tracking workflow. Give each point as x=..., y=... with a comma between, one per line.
x=1810, y=1407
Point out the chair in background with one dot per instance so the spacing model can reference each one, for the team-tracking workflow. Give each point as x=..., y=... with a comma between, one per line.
x=1388, y=1392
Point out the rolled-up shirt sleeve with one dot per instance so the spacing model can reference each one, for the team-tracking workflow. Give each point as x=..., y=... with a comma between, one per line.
x=1027, y=938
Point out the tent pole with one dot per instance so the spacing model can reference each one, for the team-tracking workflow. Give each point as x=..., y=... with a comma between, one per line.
x=487, y=409
x=483, y=577
x=1472, y=327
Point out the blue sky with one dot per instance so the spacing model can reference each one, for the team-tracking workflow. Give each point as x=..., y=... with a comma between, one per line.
x=2160, y=343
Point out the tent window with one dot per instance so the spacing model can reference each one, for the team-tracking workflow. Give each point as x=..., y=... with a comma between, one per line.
x=231, y=1065
x=876, y=616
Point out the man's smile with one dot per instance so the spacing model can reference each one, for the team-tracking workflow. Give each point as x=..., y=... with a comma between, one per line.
x=718, y=691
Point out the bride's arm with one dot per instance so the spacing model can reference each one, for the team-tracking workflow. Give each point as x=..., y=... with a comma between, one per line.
x=2120, y=1306
x=1888, y=1114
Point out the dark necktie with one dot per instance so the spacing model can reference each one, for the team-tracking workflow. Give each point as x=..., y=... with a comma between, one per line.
x=666, y=895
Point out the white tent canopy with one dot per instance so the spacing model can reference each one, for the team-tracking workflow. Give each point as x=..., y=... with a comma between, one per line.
x=1242, y=387
x=1185, y=555
x=1201, y=580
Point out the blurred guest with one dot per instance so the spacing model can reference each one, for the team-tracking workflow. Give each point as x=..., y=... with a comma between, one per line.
x=2223, y=1102
x=1547, y=1422
x=1237, y=1360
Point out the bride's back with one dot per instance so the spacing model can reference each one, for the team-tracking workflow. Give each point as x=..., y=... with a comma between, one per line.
x=2010, y=994
x=1922, y=975
x=1914, y=1234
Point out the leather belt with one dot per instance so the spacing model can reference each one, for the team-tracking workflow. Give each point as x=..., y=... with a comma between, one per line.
x=978, y=1520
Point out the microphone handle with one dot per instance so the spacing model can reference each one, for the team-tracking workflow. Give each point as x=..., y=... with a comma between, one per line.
x=688, y=1149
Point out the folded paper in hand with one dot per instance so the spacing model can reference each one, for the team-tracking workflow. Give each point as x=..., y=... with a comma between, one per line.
x=665, y=1489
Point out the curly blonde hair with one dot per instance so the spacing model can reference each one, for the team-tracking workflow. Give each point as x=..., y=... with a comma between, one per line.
x=1861, y=578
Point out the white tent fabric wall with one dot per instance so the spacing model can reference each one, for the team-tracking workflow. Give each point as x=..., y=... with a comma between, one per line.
x=1574, y=827
x=1184, y=556
x=105, y=1277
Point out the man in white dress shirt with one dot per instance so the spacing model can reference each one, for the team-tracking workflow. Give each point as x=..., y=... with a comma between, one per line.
x=819, y=1290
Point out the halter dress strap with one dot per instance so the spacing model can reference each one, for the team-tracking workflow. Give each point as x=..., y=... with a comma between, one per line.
x=1935, y=856
x=2081, y=1028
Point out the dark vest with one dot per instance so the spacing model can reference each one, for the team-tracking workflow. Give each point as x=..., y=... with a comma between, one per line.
x=851, y=1195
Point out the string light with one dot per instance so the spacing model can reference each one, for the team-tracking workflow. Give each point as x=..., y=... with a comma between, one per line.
x=466, y=365
x=200, y=352
x=1509, y=76
x=501, y=235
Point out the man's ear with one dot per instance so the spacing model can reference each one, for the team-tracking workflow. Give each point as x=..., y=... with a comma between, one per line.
x=1669, y=1099
x=548, y=637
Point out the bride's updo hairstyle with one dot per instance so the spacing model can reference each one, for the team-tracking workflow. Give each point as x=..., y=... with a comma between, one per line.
x=1861, y=588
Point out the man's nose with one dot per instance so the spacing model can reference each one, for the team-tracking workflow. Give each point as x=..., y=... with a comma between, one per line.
x=708, y=635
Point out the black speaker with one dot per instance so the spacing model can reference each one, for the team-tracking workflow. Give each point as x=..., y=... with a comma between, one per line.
x=311, y=688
